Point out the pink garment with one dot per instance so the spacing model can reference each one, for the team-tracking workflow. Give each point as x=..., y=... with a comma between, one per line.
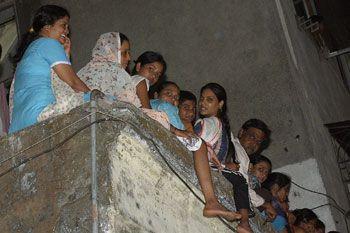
x=161, y=117
x=5, y=116
x=211, y=133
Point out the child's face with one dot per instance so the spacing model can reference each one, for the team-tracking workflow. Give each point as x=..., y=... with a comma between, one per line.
x=283, y=193
x=309, y=226
x=151, y=71
x=170, y=94
x=261, y=171
x=187, y=111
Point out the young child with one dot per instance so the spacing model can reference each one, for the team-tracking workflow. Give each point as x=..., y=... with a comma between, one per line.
x=166, y=100
x=260, y=168
x=279, y=185
x=187, y=109
x=305, y=221
x=149, y=68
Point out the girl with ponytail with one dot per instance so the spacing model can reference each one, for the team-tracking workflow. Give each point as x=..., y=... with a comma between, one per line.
x=214, y=128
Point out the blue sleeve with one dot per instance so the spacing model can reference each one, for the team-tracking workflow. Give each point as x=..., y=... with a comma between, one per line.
x=279, y=223
x=171, y=111
x=53, y=52
x=173, y=114
x=154, y=104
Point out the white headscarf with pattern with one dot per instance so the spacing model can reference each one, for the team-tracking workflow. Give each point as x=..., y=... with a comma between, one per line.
x=104, y=71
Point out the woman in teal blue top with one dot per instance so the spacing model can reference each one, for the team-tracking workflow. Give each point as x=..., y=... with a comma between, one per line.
x=45, y=48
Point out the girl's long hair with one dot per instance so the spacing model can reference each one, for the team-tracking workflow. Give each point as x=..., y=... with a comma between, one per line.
x=220, y=94
x=150, y=57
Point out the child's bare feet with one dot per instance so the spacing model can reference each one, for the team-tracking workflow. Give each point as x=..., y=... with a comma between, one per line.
x=244, y=227
x=215, y=209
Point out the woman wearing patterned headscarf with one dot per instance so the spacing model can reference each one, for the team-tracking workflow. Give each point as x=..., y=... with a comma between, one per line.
x=106, y=71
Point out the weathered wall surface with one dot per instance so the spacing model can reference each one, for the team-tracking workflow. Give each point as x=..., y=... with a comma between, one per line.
x=137, y=191
x=270, y=69
x=52, y=192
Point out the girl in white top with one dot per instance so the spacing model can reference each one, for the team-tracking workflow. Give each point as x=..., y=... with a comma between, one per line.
x=149, y=68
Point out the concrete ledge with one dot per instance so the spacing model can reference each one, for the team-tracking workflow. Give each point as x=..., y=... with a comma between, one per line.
x=137, y=192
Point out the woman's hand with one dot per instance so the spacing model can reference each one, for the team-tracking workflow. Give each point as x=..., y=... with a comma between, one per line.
x=67, y=46
x=214, y=159
x=232, y=166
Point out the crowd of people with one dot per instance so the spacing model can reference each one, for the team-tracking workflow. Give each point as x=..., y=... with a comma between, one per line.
x=45, y=85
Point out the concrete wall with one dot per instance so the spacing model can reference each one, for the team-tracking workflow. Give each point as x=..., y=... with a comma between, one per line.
x=322, y=98
x=270, y=69
x=137, y=191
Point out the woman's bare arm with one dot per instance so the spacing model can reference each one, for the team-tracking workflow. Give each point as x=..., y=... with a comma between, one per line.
x=66, y=73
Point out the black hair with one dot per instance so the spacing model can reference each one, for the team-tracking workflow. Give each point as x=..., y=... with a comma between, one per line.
x=320, y=225
x=303, y=216
x=259, y=124
x=258, y=158
x=150, y=57
x=278, y=178
x=187, y=95
x=123, y=38
x=165, y=84
x=45, y=15
x=221, y=95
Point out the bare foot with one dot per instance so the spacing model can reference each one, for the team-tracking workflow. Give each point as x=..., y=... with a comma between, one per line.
x=244, y=228
x=215, y=209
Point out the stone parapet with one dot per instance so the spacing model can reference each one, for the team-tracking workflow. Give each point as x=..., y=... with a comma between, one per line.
x=144, y=177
